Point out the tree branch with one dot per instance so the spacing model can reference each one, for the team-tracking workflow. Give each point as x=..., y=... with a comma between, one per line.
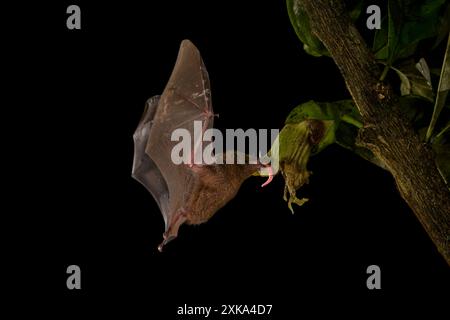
x=386, y=133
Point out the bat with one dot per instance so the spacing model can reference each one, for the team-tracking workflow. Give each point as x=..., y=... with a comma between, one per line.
x=185, y=193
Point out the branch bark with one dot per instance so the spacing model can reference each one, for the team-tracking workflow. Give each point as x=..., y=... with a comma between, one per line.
x=386, y=133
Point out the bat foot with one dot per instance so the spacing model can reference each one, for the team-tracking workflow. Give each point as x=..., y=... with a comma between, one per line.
x=172, y=231
x=166, y=239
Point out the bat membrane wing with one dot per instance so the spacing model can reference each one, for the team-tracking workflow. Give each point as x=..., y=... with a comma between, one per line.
x=145, y=169
x=186, y=98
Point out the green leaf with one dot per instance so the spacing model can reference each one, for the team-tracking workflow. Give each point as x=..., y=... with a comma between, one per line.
x=354, y=8
x=380, y=47
x=413, y=109
x=406, y=24
x=313, y=110
x=424, y=70
x=444, y=130
x=337, y=111
x=423, y=20
x=415, y=79
x=346, y=138
x=387, y=38
x=394, y=25
x=443, y=26
x=300, y=21
x=428, y=7
x=443, y=88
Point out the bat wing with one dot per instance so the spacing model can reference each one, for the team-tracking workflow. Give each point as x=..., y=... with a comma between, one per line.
x=145, y=169
x=186, y=98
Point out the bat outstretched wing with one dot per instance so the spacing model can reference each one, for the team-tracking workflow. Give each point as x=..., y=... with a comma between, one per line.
x=186, y=98
x=145, y=169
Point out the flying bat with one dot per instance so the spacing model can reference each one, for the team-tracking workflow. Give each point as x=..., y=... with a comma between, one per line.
x=185, y=193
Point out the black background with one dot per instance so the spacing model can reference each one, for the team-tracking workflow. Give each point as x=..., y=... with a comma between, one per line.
x=85, y=93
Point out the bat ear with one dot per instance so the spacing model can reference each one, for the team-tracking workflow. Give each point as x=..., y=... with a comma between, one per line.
x=172, y=229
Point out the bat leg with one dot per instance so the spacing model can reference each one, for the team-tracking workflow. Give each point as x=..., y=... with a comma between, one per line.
x=172, y=231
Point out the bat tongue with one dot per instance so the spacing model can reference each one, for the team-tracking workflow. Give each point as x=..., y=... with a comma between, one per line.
x=270, y=178
x=172, y=230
